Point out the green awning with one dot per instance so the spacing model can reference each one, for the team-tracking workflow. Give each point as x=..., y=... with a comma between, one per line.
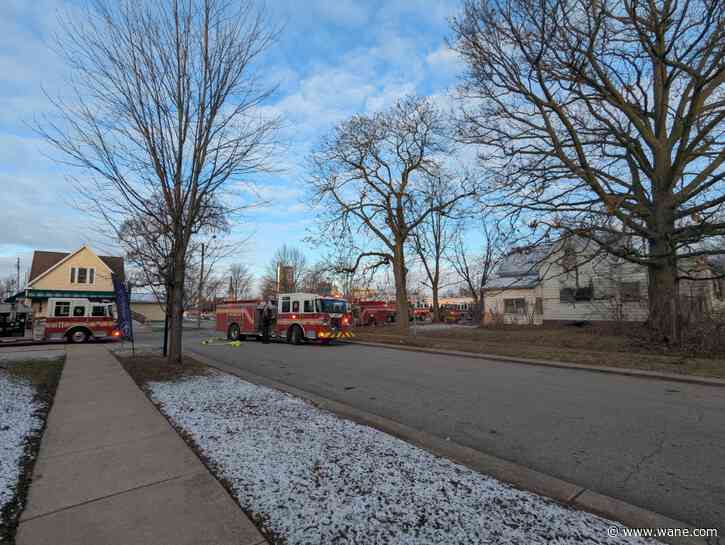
x=45, y=294
x=14, y=298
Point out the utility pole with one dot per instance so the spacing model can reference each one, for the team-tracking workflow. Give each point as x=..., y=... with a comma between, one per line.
x=17, y=282
x=201, y=282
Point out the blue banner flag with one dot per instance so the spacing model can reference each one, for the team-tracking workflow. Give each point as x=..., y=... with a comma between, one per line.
x=123, y=308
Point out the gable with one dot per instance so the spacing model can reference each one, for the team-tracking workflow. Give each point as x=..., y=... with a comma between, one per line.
x=58, y=276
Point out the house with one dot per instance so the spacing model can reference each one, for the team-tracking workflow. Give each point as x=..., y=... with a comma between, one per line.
x=514, y=295
x=572, y=281
x=146, y=307
x=81, y=273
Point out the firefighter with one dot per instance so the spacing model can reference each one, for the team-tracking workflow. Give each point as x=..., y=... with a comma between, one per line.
x=267, y=316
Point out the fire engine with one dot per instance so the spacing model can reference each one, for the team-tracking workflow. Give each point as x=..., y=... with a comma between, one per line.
x=372, y=313
x=297, y=317
x=77, y=320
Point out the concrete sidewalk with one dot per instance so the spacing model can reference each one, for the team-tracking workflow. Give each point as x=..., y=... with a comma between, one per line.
x=111, y=470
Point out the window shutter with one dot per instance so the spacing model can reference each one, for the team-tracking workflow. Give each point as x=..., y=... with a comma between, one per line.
x=72, y=275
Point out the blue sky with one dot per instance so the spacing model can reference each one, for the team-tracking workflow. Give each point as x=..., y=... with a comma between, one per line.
x=334, y=58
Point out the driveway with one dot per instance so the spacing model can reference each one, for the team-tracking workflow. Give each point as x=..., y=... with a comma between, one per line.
x=656, y=444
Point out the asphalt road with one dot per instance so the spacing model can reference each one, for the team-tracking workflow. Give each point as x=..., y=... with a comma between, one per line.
x=656, y=444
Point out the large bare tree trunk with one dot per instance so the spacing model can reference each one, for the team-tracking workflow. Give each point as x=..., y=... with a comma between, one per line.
x=177, y=310
x=401, y=289
x=481, y=308
x=663, y=293
x=436, y=305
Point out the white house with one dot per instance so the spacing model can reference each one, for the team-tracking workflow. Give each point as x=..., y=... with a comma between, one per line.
x=571, y=281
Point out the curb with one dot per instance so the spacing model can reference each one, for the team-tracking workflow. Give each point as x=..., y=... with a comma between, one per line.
x=518, y=476
x=657, y=375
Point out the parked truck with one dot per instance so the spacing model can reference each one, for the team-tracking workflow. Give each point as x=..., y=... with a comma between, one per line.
x=77, y=320
x=373, y=313
x=297, y=318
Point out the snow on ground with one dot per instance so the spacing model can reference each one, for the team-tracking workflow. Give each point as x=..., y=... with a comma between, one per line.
x=17, y=422
x=314, y=478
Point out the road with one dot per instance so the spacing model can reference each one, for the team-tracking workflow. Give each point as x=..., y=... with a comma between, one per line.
x=656, y=444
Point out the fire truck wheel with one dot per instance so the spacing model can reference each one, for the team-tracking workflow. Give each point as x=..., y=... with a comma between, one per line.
x=78, y=336
x=295, y=335
x=233, y=333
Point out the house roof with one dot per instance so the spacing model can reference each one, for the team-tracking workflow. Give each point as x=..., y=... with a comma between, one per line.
x=142, y=295
x=42, y=261
x=523, y=261
x=525, y=281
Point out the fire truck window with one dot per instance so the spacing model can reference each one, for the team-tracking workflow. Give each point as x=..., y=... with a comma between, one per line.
x=98, y=310
x=79, y=311
x=308, y=307
x=285, y=304
x=110, y=310
x=295, y=306
x=62, y=309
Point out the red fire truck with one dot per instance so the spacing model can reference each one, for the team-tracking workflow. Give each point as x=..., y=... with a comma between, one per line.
x=77, y=320
x=299, y=317
x=372, y=313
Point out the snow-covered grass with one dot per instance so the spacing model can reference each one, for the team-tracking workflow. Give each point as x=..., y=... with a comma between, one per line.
x=18, y=421
x=314, y=478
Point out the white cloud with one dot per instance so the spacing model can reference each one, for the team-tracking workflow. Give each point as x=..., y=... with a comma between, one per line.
x=446, y=60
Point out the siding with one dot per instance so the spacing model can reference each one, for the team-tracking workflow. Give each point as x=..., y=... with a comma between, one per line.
x=495, y=306
x=59, y=278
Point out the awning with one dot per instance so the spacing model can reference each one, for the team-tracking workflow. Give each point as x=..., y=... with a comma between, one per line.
x=45, y=294
x=14, y=298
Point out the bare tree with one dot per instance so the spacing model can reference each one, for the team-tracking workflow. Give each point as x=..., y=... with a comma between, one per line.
x=369, y=177
x=604, y=117
x=241, y=280
x=432, y=238
x=475, y=269
x=148, y=245
x=8, y=287
x=289, y=261
x=164, y=114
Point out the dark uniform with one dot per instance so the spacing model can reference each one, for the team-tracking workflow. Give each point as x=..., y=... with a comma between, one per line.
x=266, y=322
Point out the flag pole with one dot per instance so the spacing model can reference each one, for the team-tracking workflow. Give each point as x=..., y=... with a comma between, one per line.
x=130, y=322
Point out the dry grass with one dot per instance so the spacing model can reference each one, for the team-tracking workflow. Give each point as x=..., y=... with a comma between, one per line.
x=584, y=345
x=150, y=368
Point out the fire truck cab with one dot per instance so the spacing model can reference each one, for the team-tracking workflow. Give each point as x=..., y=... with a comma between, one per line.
x=298, y=317
x=77, y=320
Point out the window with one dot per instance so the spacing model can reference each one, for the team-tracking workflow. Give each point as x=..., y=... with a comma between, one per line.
x=98, y=310
x=110, y=311
x=82, y=275
x=585, y=294
x=62, y=309
x=285, y=304
x=79, y=312
x=332, y=306
x=571, y=295
x=567, y=295
x=629, y=291
x=295, y=306
x=308, y=307
x=539, y=306
x=514, y=306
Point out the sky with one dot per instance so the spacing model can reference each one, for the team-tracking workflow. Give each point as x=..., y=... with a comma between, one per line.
x=333, y=59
